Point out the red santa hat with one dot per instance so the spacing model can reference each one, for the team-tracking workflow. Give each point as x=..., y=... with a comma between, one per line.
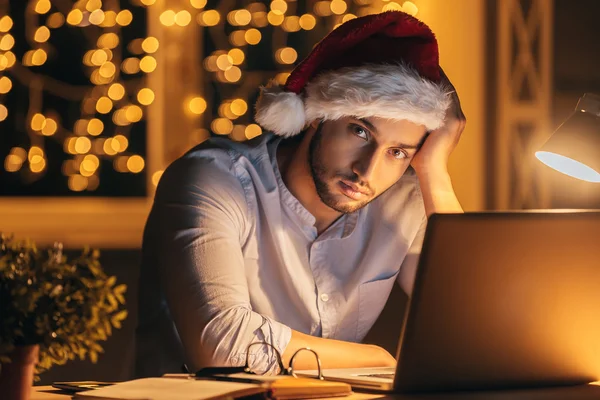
x=383, y=65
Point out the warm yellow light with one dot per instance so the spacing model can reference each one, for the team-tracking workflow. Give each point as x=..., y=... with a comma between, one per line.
x=348, y=17
x=77, y=183
x=239, y=17
x=74, y=17
x=108, y=40
x=89, y=164
x=237, y=56
x=133, y=113
x=145, y=96
x=104, y=105
x=12, y=163
x=238, y=133
x=119, y=117
x=124, y=17
x=107, y=70
x=286, y=55
x=42, y=34
x=259, y=19
x=39, y=57
x=3, y=112
x=253, y=36
x=253, y=131
x=225, y=111
x=233, y=74
x=37, y=122
x=291, y=24
x=150, y=44
x=95, y=127
x=224, y=62
x=135, y=164
x=239, y=107
x=410, y=8
x=148, y=64
x=281, y=77
x=322, y=8
x=116, y=91
x=80, y=127
x=110, y=19
x=238, y=38
x=93, y=183
x=96, y=17
x=307, y=22
x=221, y=126
x=198, y=3
x=111, y=147
x=210, y=63
x=6, y=23
x=5, y=85
x=392, y=6
x=148, y=2
x=167, y=18
x=42, y=6
x=120, y=164
x=35, y=151
x=82, y=145
x=122, y=141
x=7, y=42
x=183, y=18
x=50, y=127
x=209, y=18
x=10, y=58
x=55, y=20
x=93, y=5
x=131, y=65
x=279, y=7
x=98, y=58
x=338, y=7
x=275, y=19
x=156, y=177
x=197, y=105
x=38, y=166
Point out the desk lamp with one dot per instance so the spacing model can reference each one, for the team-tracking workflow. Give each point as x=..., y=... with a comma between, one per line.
x=574, y=148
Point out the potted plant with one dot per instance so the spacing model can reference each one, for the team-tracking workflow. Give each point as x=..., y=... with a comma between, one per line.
x=52, y=310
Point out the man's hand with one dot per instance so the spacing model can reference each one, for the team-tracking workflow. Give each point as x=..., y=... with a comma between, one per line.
x=433, y=156
x=431, y=161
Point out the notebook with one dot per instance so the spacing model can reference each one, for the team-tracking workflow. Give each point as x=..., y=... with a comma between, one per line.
x=284, y=388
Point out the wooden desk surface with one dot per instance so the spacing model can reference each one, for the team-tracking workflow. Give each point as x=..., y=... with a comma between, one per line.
x=583, y=392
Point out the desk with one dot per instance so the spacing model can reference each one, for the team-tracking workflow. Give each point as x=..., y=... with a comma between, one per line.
x=583, y=392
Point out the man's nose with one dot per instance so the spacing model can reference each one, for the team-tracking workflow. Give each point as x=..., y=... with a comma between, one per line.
x=366, y=165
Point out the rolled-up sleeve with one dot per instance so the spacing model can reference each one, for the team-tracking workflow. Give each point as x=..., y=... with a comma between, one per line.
x=201, y=218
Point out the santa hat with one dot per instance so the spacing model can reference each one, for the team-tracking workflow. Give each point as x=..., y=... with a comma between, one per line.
x=383, y=65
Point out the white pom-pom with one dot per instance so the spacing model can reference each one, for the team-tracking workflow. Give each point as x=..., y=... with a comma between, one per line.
x=280, y=112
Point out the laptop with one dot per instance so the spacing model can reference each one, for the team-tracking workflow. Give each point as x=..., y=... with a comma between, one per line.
x=500, y=300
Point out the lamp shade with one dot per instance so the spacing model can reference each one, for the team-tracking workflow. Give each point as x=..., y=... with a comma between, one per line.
x=574, y=148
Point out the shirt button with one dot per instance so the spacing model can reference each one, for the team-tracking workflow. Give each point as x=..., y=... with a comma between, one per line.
x=325, y=297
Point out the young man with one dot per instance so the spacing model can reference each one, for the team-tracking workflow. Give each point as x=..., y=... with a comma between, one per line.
x=297, y=237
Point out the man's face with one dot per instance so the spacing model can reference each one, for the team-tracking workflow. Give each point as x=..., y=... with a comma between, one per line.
x=353, y=161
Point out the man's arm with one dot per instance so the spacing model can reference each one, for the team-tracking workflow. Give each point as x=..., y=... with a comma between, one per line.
x=200, y=219
x=431, y=161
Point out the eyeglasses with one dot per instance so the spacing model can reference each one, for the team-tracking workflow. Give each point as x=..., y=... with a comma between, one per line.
x=210, y=372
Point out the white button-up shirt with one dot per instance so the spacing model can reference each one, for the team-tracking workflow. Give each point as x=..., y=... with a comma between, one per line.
x=231, y=257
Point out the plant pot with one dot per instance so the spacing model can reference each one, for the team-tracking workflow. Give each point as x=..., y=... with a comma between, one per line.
x=16, y=377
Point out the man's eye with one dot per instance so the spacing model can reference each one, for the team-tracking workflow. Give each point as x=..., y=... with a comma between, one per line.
x=399, y=154
x=360, y=132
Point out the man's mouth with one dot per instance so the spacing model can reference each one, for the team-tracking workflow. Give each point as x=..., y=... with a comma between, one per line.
x=352, y=191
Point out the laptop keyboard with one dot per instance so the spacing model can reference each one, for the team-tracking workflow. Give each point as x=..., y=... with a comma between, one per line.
x=385, y=376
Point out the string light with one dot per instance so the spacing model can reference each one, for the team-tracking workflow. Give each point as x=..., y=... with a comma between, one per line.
x=145, y=96
x=307, y=22
x=5, y=85
x=135, y=164
x=55, y=20
x=392, y=6
x=150, y=45
x=253, y=36
x=131, y=65
x=183, y=18
x=95, y=127
x=274, y=18
x=3, y=112
x=50, y=127
x=7, y=42
x=148, y=2
x=197, y=105
x=410, y=8
x=104, y=105
x=338, y=7
x=252, y=131
x=209, y=18
x=239, y=107
x=167, y=18
x=286, y=55
x=42, y=6
x=124, y=17
x=237, y=56
x=116, y=91
x=6, y=23
x=156, y=177
x=278, y=7
x=74, y=17
x=148, y=64
x=199, y=4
